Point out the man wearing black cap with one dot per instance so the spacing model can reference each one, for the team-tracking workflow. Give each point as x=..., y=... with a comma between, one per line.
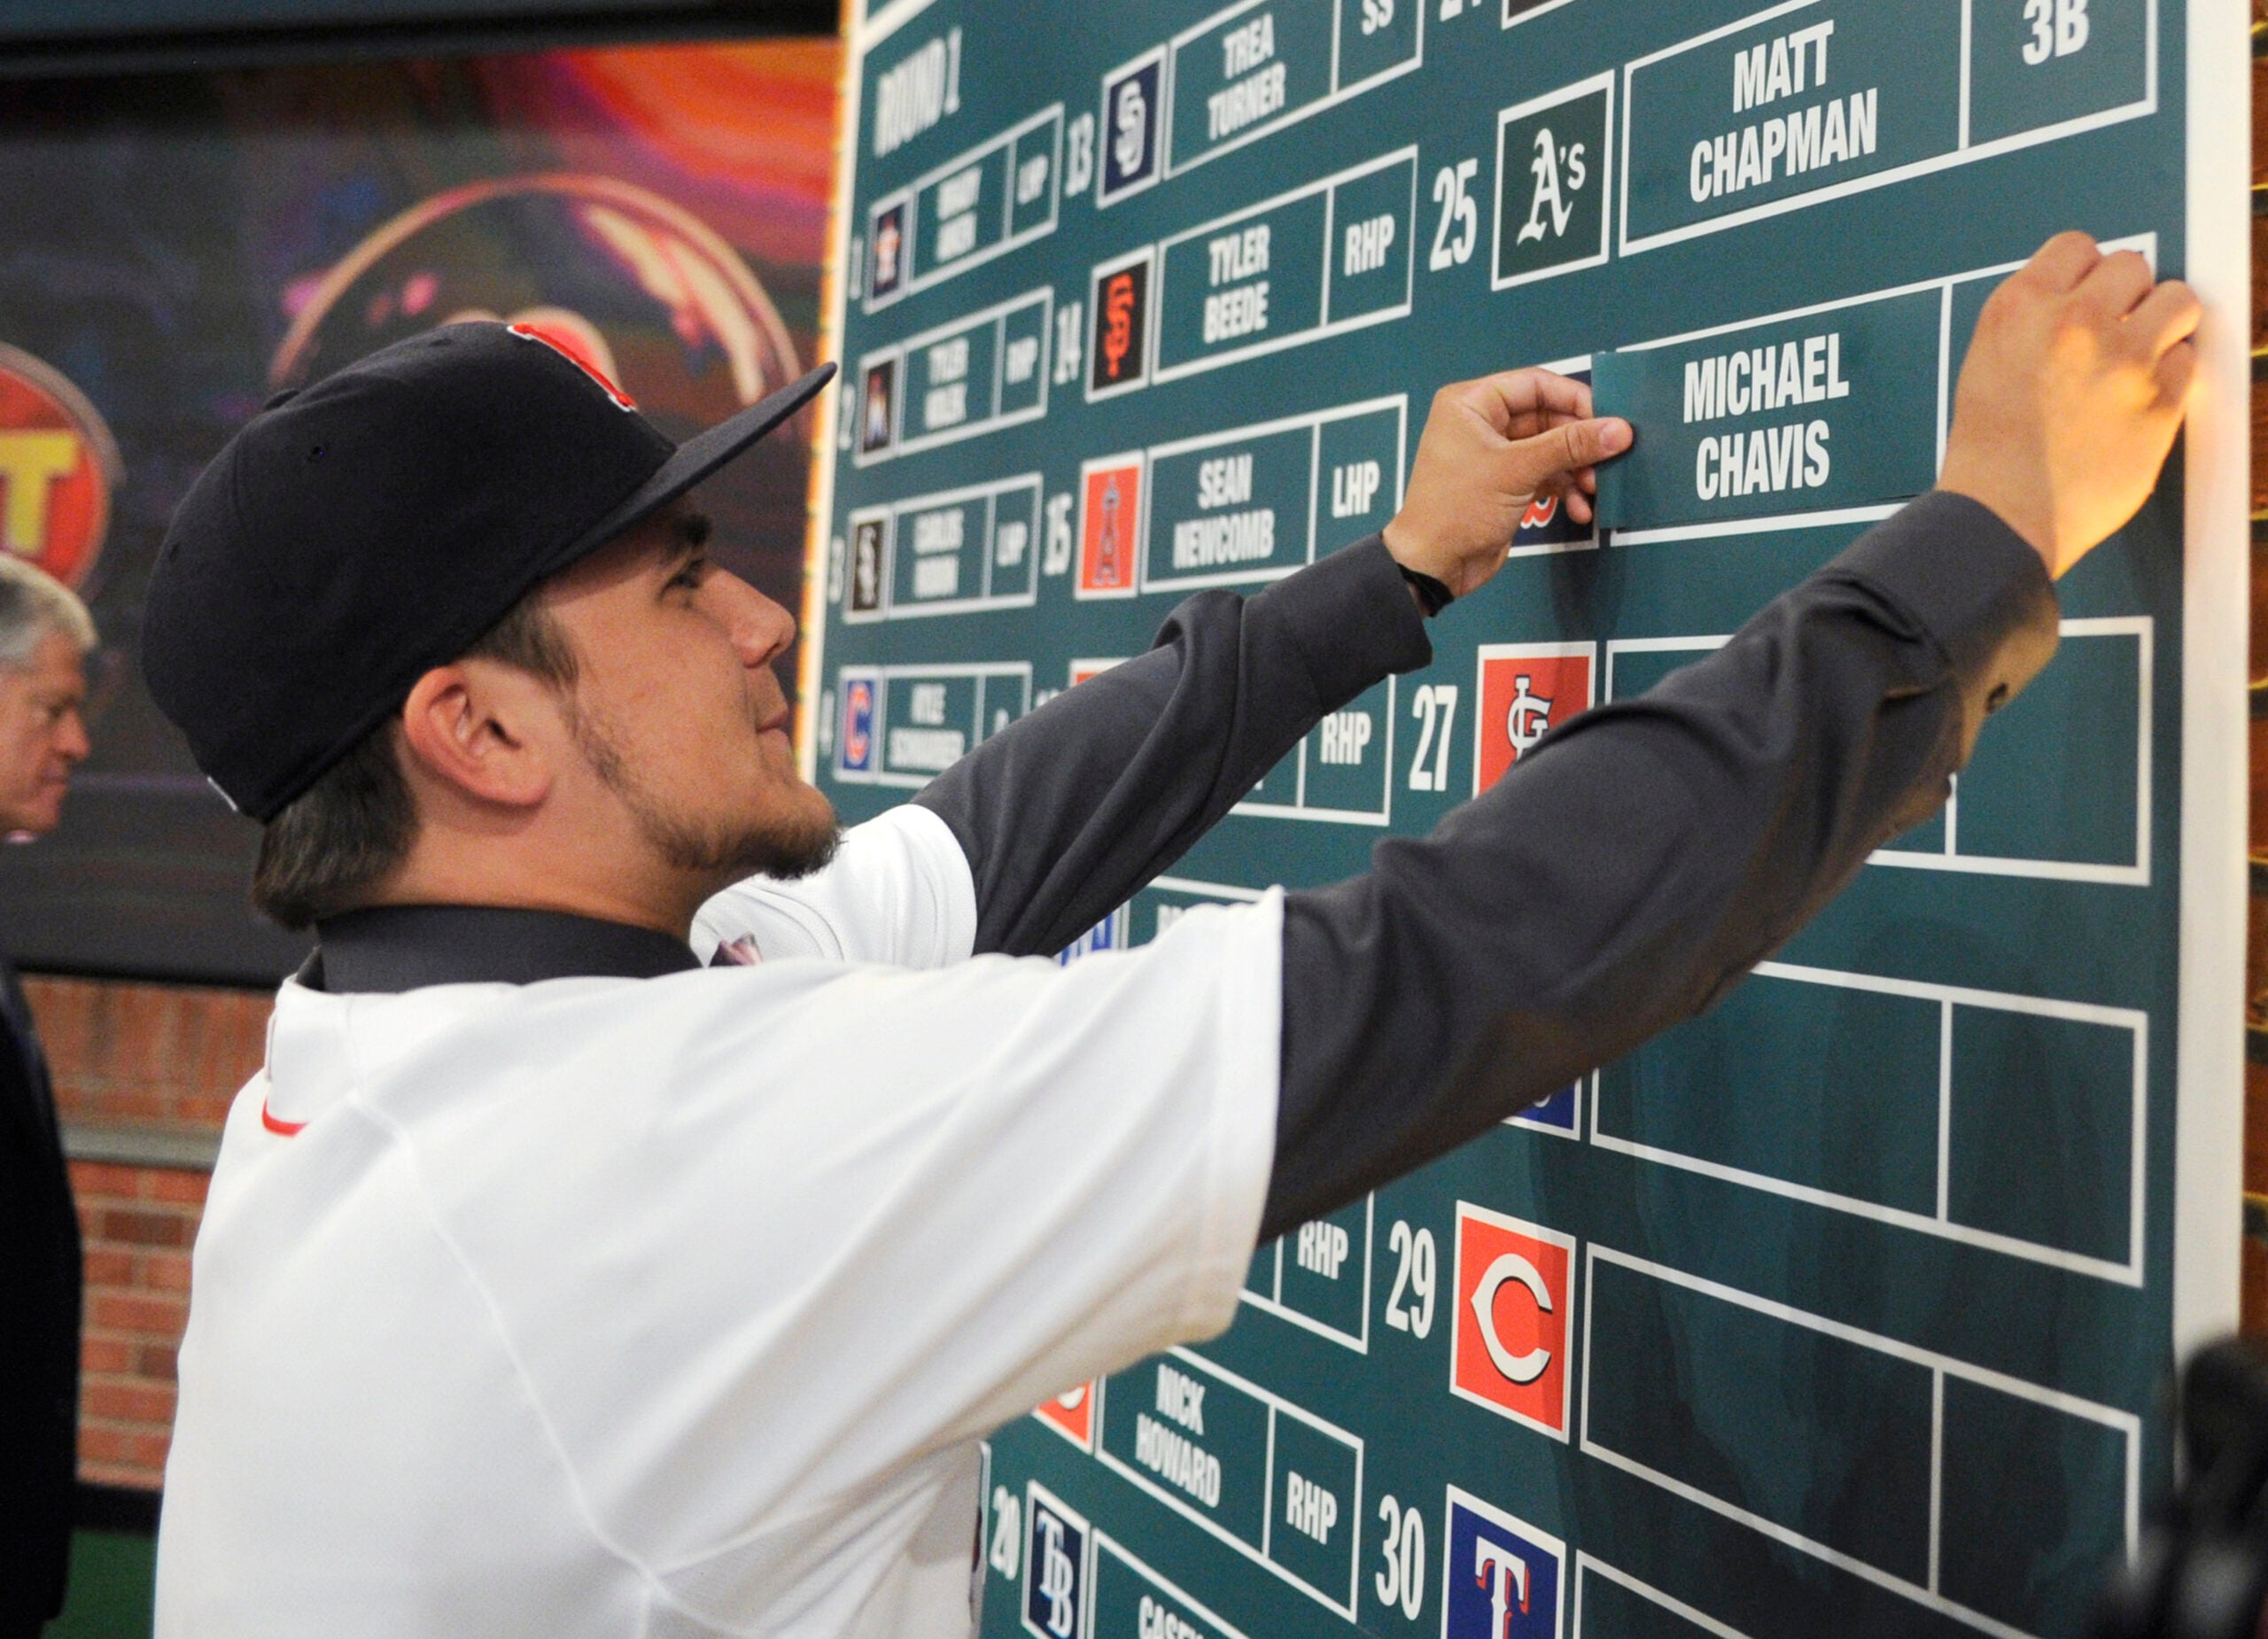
x=553, y=1283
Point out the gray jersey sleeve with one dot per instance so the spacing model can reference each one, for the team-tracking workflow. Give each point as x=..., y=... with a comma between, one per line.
x=1065, y=815
x=1632, y=867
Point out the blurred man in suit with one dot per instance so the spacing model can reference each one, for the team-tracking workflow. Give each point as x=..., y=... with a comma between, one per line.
x=44, y=637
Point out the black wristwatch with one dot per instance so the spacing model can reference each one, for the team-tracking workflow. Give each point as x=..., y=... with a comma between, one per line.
x=1433, y=596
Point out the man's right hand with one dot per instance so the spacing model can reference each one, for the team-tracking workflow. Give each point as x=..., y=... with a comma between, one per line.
x=2074, y=387
x=1491, y=448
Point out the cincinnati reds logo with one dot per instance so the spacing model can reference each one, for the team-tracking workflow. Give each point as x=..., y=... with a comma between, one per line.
x=58, y=464
x=1540, y=513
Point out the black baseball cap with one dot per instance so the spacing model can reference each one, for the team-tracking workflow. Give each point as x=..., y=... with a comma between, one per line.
x=355, y=535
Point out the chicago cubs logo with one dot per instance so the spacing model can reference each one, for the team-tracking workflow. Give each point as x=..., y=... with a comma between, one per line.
x=1072, y=1415
x=858, y=737
x=1055, y=1567
x=1527, y=690
x=1513, y=1317
x=58, y=464
x=577, y=340
x=1501, y=1577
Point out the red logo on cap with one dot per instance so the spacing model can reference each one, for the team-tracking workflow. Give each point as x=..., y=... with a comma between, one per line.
x=576, y=350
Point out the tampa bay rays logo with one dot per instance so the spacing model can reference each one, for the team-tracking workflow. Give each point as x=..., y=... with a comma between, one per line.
x=1560, y=174
x=1055, y=1559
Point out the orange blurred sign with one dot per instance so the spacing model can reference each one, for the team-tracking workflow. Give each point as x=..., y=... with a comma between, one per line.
x=58, y=462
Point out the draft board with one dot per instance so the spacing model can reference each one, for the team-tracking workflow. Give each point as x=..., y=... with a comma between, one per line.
x=1845, y=1308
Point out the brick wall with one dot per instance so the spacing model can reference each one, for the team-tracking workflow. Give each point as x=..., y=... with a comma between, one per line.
x=142, y=1071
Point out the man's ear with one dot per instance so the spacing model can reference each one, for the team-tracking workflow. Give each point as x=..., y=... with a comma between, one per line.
x=476, y=728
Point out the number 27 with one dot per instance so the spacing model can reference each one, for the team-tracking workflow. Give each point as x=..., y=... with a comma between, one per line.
x=1436, y=707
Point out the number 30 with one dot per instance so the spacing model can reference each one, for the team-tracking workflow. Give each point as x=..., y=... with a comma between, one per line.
x=1402, y=1543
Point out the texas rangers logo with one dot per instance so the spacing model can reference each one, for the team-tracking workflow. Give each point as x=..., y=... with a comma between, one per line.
x=1055, y=1567
x=858, y=738
x=1514, y=1315
x=1527, y=690
x=1501, y=1577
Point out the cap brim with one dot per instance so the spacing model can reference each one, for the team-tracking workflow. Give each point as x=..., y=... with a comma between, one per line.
x=696, y=459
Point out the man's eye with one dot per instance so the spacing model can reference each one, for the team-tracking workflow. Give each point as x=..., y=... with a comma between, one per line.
x=690, y=577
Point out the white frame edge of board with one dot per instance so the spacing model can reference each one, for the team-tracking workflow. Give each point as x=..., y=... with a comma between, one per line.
x=2208, y=1139
x=836, y=278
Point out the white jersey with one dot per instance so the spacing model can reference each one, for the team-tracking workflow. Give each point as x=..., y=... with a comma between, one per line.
x=675, y=1307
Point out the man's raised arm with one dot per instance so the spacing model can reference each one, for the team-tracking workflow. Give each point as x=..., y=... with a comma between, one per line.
x=1065, y=815
x=1631, y=867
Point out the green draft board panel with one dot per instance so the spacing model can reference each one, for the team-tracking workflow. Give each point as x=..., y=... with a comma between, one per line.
x=1846, y=1308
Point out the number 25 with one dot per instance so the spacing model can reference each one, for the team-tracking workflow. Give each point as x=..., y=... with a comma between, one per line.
x=1460, y=216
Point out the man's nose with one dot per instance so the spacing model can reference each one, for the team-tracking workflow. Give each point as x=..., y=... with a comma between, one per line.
x=761, y=629
x=70, y=742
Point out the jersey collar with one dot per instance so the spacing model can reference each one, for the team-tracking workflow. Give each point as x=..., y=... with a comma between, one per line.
x=405, y=947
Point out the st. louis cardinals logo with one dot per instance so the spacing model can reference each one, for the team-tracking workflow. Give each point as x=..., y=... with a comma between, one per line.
x=1527, y=690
